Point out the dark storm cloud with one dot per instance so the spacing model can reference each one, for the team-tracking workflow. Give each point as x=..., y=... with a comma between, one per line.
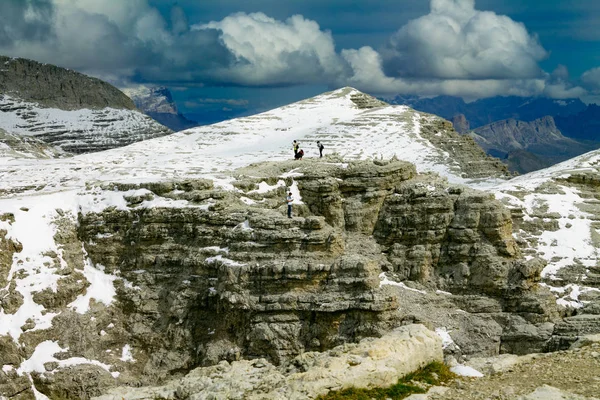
x=24, y=20
x=112, y=39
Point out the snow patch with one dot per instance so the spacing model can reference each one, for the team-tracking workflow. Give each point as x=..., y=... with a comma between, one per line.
x=126, y=355
x=264, y=187
x=291, y=174
x=447, y=340
x=464, y=370
x=101, y=287
x=297, y=198
x=384, y=280
x=44, y=353
x=244, y=226
x=223, y=260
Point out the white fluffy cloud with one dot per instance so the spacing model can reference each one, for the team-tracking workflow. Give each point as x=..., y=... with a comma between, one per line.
x=369, y=76
x=558, y=85
x=591, y=81
x=271, y=52
x=460, y=51
x=455, y=41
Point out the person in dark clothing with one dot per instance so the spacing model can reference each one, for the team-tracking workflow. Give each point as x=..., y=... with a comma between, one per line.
x=295, y=146
x=299, y=155
x=289, y=201
x=320, y=147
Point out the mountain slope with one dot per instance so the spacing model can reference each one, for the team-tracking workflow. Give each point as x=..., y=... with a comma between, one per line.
x=19, y=147
x=349, y=124
x=68, y=110
x=54, y=87
x=555, y=212
x=531, y=145
x=158, y=103
x=80, y=297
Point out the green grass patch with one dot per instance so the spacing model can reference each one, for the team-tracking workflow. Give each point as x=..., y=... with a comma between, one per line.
x=433, y=374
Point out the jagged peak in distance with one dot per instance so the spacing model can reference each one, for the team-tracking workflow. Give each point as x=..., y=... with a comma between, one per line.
x=158, y=103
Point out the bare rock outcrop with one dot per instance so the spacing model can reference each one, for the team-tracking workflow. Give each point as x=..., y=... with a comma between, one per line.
x=460, y=123
x=369, y=364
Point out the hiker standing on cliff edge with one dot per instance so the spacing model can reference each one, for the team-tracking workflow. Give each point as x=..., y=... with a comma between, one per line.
x=320, y=147
x=289, y=200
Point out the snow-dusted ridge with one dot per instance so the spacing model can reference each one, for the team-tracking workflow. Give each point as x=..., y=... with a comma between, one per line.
x=80, y=130
x=559, y=209
x=333, y=118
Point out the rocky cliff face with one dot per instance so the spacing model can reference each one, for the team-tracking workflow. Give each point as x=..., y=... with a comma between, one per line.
x=71, y=111
x=158, y=103
x=511, y=134
x=54, y=87
x=522, y=143
x=202, y=274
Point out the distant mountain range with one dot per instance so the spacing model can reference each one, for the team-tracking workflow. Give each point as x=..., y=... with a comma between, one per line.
x=486, y=111
x=526, y=133
x=528, y=146
x=158, y=103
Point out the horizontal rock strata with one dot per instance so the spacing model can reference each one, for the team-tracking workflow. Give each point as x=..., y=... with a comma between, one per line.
x=203, y=275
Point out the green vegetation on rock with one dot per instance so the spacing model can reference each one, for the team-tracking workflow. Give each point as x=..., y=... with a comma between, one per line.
x=433, y=374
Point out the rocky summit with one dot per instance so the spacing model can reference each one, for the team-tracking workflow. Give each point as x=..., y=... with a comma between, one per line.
x=170, y=265
x=68, y=110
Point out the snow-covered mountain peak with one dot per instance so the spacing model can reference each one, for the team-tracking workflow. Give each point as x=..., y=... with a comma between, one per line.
x=349, y=123
x=45, y=203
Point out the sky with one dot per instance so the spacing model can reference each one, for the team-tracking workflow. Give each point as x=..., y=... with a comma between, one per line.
x=236, y=57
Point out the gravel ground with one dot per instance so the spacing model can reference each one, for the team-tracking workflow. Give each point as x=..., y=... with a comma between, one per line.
x=574, y=371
